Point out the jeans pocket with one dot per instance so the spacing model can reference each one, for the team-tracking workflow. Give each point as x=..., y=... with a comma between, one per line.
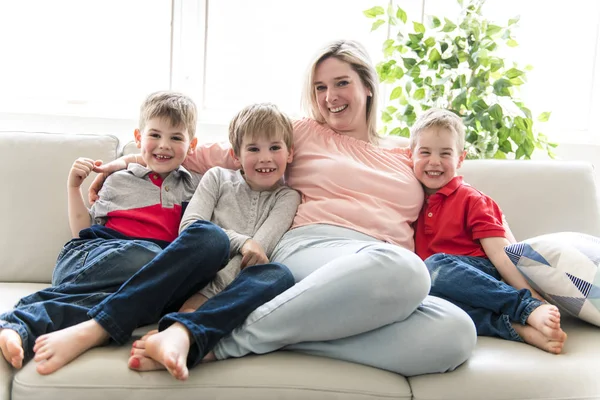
x=70, y=263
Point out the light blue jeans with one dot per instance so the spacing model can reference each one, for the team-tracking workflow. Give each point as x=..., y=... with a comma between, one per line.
x=356, y=299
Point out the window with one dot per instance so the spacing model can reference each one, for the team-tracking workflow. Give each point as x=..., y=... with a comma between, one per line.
x=93, y=58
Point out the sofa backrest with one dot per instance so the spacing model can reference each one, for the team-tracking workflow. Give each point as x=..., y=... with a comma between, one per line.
x=536, y=196
x=33, y=207
x=539, y=197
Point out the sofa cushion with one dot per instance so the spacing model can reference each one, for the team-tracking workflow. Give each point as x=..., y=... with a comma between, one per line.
x=502, y=370
x=539, y=197
x=563, y=267
x=102, y=374
x=34, y=225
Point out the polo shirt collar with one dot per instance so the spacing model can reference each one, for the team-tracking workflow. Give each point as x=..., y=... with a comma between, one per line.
x=451, y=186
x=140, y=171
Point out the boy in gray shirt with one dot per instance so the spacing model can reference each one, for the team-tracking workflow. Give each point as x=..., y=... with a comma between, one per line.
x=254, y=209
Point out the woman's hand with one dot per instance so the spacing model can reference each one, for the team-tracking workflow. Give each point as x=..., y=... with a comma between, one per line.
x=253, y=254
x=104, y=171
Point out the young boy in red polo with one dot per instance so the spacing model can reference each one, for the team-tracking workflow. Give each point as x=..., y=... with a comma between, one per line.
x=461, y=236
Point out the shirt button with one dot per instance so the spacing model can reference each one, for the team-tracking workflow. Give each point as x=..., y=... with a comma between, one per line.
x=430, y=215
x=166, y=188
x=155, y=176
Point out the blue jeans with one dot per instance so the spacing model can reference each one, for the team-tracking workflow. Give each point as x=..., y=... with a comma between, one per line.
x=123, y=284
x=253, y=287
x=475, y=285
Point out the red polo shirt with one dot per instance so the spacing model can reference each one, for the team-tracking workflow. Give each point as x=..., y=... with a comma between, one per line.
x=453, y=220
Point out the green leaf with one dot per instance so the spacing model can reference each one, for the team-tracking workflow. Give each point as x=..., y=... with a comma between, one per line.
x=405, y=132
x=499, y=155
x=386, y=117
x=479, y=106
x=398, y=73
x=544, y=117
x=492, y=30
x=514, y=20
x=505, y=147
x=449, y=26
x=513, y=73
x=419, y=27
x=400, y=14
x=460, y=100
x=374, y=12
x=520, y=152
x=419, y=94
x=496, y=112
x=429, y=42
x=396, y=131
x=434, y=55
x=396, y=93
x=501, y=87
x=377, y=24
x=512, y=43
x=409, y=62
x=434, y=21
x=391, y=109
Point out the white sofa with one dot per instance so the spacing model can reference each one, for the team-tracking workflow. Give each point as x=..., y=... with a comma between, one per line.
x=537, y=197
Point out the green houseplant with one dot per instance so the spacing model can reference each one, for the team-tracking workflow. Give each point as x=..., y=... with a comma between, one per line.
x=456, y=64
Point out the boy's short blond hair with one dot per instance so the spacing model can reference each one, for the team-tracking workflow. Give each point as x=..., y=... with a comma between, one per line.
x=440, y=118
x=262, y=120
x=175, y=107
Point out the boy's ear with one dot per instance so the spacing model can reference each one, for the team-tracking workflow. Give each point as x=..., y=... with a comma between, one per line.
x=461, y=158
x=236, y=160
x=192, y=147
x=291, y=155
x=138, y=138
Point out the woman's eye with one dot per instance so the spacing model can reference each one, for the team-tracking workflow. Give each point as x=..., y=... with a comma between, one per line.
x=343, y=83
x=320, y=88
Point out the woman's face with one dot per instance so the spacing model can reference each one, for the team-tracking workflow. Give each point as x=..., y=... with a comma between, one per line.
x=341, y=98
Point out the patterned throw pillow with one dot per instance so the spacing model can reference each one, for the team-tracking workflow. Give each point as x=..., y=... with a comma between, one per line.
x=563, y=267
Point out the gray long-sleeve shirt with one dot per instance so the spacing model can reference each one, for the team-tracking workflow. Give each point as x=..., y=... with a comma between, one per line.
x=224, y=198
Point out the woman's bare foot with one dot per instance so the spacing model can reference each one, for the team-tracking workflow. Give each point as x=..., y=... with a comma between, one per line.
x=56, y=349
x=538, y=339
x=12, y=347
x=546, y=319
x=170, y=348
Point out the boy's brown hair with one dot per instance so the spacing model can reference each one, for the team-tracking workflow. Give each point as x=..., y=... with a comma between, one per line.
x=260, y=120
x=177, y=108
x=437, y=117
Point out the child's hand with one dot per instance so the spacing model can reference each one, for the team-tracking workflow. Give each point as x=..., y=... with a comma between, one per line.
x=253, y=254
x=103, y=172
x=81, y=169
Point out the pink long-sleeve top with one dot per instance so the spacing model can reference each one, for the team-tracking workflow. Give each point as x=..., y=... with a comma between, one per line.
x=343, y=181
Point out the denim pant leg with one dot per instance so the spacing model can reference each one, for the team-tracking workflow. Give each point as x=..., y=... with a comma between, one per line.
x=86, y=273
x=253, y=287
x=474, y=281
x=185, y=266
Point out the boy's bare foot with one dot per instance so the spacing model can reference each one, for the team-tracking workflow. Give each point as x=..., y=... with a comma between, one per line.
x=170, y=348
x=12, y=347
x=56, y=349
x=538, y=339
x=546, y=319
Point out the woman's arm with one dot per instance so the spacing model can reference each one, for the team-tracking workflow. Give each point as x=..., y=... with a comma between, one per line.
x=200, y=160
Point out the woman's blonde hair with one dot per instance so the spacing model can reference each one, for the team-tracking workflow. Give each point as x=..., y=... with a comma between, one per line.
x=357, y=57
